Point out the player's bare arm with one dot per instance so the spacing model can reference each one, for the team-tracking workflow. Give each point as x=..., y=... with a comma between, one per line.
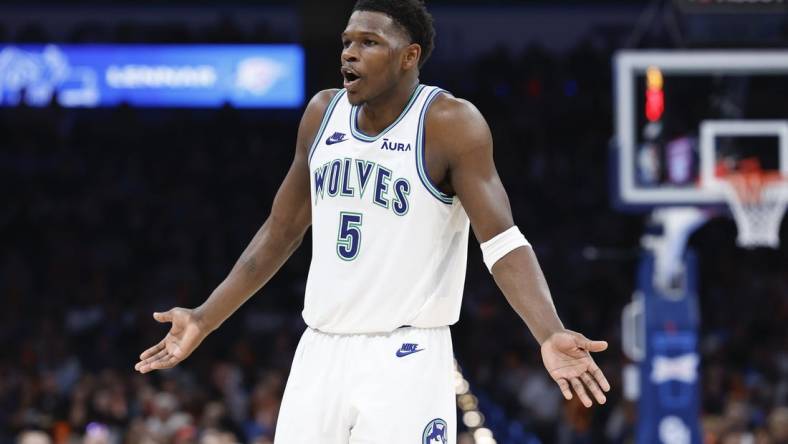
x=269, y=249
x=460, y=160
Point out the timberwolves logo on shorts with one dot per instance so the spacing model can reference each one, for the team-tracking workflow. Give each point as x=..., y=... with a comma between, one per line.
x=435, y=432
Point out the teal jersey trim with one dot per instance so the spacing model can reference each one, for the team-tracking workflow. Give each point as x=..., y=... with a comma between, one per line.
x=326, y=117
x=421, y=163
x=358, y=134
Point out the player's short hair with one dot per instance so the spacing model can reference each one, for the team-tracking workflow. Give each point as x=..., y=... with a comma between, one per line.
x=411, y=15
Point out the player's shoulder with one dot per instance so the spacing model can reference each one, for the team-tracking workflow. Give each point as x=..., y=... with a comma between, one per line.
x=313, y=115
x=446, y=106
x=320, y=101
x=454, y=119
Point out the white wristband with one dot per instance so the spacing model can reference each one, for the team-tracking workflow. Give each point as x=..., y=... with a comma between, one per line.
x=501, y=244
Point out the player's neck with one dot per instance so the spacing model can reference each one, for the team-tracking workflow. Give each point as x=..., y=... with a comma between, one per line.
x=376, y=115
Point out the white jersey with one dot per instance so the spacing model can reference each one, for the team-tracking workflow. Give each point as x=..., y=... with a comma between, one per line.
x=388, y=248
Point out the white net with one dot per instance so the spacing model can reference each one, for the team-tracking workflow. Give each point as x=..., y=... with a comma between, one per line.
x=758, y=204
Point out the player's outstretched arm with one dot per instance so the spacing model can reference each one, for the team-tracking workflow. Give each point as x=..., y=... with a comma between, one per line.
x=269, y=249
x=458, y=131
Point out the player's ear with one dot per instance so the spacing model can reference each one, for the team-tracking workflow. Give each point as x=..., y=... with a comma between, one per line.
x=411, y=56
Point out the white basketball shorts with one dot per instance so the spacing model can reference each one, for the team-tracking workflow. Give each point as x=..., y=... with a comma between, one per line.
x=394, y=388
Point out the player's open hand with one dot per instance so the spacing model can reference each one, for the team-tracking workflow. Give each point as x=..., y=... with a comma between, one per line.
x=566, y=357
x=183, y=338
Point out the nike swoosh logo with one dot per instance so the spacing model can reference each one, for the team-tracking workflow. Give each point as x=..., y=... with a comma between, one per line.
x=401, y=353
x=331, y=141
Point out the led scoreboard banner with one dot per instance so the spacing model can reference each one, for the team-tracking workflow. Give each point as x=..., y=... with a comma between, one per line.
x=204, y=76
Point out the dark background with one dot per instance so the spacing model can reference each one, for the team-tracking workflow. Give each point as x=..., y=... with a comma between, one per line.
x=110, y=214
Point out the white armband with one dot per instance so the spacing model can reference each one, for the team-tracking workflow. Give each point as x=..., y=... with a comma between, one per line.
x=504, y=242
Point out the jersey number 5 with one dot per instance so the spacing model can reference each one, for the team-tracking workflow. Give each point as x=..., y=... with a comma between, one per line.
x=349, y=238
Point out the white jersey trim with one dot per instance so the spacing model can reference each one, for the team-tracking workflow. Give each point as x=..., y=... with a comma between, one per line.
x=421, y=162
x=358, y=134
x=326, y=117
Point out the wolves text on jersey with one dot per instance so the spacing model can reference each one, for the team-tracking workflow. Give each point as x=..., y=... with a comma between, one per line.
x=333, y=178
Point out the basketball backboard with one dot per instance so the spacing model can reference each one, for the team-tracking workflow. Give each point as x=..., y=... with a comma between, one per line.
x=685, y=118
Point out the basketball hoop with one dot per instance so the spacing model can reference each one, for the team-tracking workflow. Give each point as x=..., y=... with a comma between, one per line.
x=758, y=201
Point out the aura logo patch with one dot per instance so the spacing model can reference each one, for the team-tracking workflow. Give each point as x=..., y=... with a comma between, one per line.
x=436, y=432
x=394, y=146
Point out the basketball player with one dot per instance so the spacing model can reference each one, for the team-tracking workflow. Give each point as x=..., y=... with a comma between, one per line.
x=390, y=174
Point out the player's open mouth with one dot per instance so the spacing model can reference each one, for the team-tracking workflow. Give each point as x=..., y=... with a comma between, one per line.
x=350, y=75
